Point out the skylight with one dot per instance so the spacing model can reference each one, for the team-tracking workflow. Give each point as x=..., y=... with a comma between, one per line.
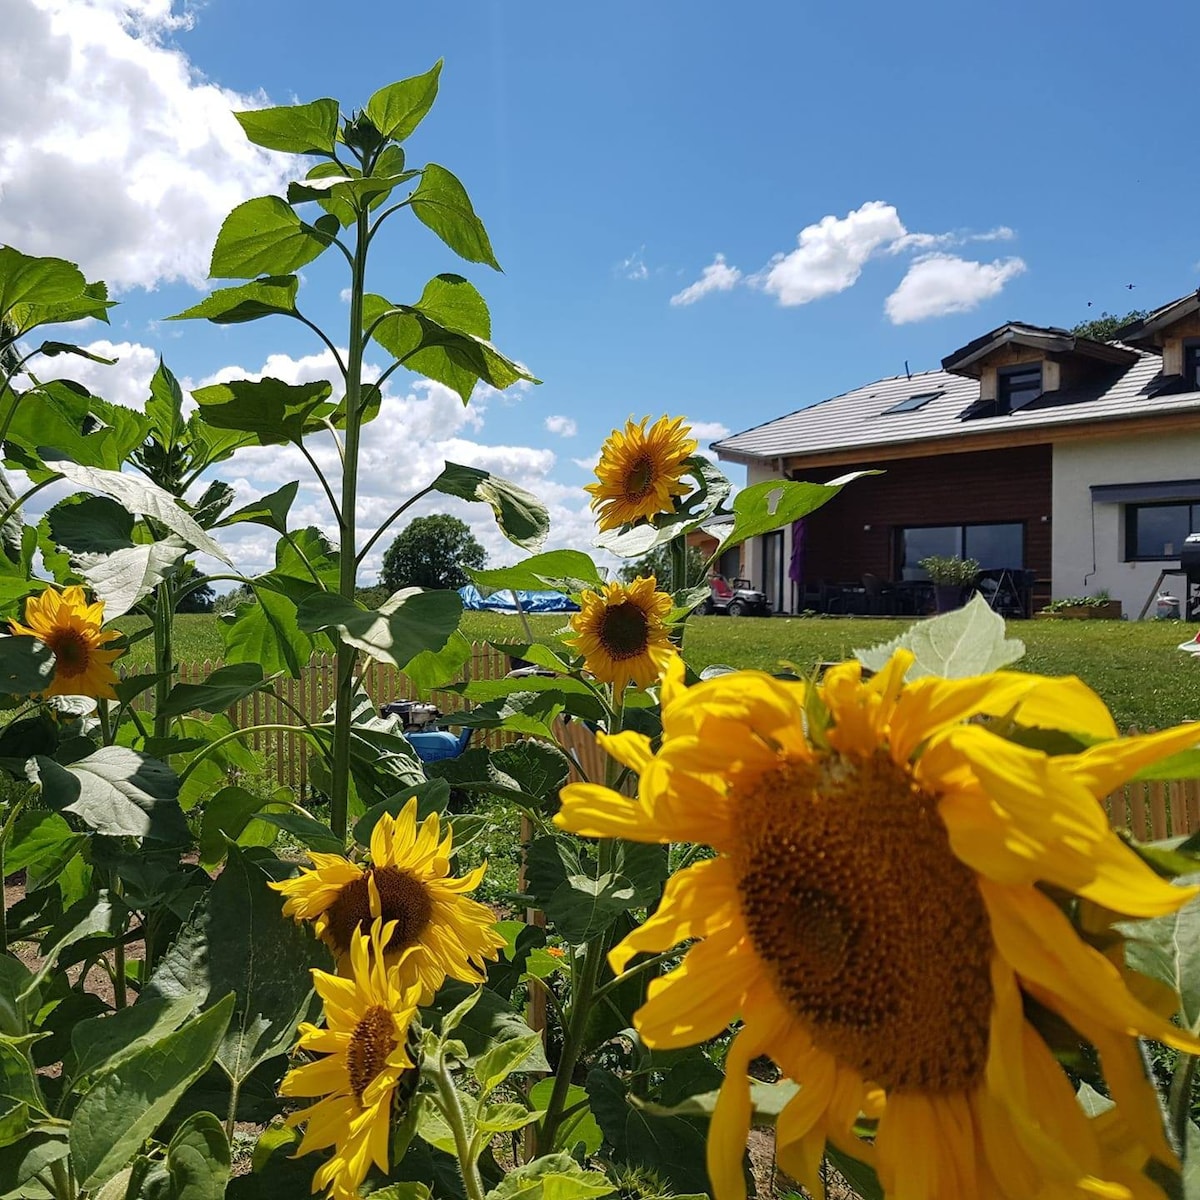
x=912, y=403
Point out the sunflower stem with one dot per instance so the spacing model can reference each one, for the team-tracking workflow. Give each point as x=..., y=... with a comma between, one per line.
x=452, y=1110
x=5, y=833
x=1179, y=1104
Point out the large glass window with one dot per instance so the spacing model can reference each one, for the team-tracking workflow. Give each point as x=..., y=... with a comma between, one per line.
x=992, y=546
x=1016, y=387
x=1156, y=531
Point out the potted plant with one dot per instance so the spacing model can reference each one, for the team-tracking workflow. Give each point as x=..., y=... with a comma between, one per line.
x=950, y=577
x=1083, y=608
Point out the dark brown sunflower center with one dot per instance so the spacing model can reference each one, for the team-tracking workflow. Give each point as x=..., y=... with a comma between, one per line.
x=640, y=478
x=71, y=652
x=873, y=931
x=624, y=630
x=373, y=1039
x=402, y=897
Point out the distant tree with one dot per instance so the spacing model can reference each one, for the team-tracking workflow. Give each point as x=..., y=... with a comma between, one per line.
x=227, y=602
x=202, y=599
x=658, y=563
x=431, y=552
x=1102, y=328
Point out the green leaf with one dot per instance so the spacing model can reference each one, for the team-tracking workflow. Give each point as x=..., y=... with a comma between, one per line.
x=436, y=668
x=95, y=914
x=442, y=203
x=432, y=796
x=401, y=1191
x=580, y=1127
x=43, y=843
x=293, y=128
x=197, y=1161
x=54, y=349
x=227, y=818
x=271, y=295
x=396, y=110
x=85, y=523
x=264, y=958
x=494, y=1067
x=274, y=411
x=857, y=1174
x=28, y=280
x=406, y=624
x=271, y=511
x=264, y=236
x=17, y=1079
x=142, y=497
x=102, y=1043
x=969, y=641
x=305, y=829
x=267, y=633
x=529, y=712
x=26, y=665
x=124, y=577
x=31, y=1156
x=117, y=792
x=562, y=570
x=1168, y=949
x=487, y=1020
x=221, y=690
x=92, y=302
x=521, y=516
x=125, y=1106
x=552, y=1177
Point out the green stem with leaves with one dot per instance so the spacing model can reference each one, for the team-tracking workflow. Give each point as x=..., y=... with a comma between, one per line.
x=452, y=1111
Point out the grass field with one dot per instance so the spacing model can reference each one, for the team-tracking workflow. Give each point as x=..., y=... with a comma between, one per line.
x=1135, y=666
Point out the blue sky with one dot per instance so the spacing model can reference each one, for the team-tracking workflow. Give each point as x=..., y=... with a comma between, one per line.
x=825, y=191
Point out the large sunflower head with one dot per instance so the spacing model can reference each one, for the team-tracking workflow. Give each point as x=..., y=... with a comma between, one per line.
x=879, y=915
x=434, y=926
x=640, y=472
x=363, y=1056
x=622, y=634
x=71, y=627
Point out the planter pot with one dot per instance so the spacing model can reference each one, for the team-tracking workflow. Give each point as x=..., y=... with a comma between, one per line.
x=948, y=596
x=1110, y=610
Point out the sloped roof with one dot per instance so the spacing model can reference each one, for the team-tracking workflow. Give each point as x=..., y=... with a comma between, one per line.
x=1141, y=333
x=1048, y=338
x=855, y=420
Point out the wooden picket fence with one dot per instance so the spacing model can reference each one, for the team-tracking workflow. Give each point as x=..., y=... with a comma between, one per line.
x=1151, y=810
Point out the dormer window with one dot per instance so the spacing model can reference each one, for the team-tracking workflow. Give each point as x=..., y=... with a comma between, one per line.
x=1017, y=386
x=1191, y=365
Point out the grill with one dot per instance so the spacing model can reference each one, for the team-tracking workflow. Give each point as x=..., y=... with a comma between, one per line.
x=1189, y=557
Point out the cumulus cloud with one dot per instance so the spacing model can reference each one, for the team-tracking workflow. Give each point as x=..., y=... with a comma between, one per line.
x=718, y=276
x=831, y=254
x=937, y=284
x=124, y=159
x=563, y=426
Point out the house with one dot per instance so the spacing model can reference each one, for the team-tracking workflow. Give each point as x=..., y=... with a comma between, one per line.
x=1032, y=449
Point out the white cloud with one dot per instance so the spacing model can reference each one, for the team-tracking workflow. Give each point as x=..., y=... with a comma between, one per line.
x=634, y=267
x=937, y=284
x=563, y=426
x=123, y=158
x=831, y=254
x=926, y=242
x=127, y=383
x=718, y=276
x=709, y=431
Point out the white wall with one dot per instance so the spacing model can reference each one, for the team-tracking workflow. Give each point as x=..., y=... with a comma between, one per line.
x=1077, y=467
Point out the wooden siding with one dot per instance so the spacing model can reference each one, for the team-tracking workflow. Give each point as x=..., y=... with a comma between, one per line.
x=856, y=532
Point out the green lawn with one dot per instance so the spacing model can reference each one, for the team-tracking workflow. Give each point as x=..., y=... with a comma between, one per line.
x=1135, y=666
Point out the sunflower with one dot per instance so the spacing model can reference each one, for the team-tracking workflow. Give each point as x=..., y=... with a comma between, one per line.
x=70, y=626
x=640, y=473
x=409, y=885
x=367, y=1017
x=621, y=633
x=873, y=915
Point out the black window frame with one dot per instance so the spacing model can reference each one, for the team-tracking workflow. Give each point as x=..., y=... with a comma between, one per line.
x=1131, y=528
x=913, y=403
x=1005, y=390
x=1191, y=363
x=962, y=527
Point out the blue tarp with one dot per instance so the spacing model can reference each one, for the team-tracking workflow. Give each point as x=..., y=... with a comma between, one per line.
x=532, y=602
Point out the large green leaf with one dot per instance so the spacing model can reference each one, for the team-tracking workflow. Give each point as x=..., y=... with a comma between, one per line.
x=229, y=817
x=274, y=411
x=116, y=791
x=222, y=689
x=261, y=956
x=408, y=623
x=85, y=523
x=267, y=633
x=436, y=668
x=1168, y=949
x=124, y=577
x=268, y=296
x=563, y=570
x=26, y=665
x=541, y=768
x=396, y=110
x=28, y=280
x=61, y=419
x=92, y=302
x=264, y=236
x=489, y=1021
x=125, y=1106
x=521, y=516
x=197, y=1166
x=442, y=203
x=142, y=497
x=293, y=128
x=102, y=1043
x=552, y=1177
x=271, y=511
x=42, y=843
x=31, y=1156
x=969, y=641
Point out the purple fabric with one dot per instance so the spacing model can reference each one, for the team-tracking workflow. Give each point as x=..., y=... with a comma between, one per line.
x=796, y=566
